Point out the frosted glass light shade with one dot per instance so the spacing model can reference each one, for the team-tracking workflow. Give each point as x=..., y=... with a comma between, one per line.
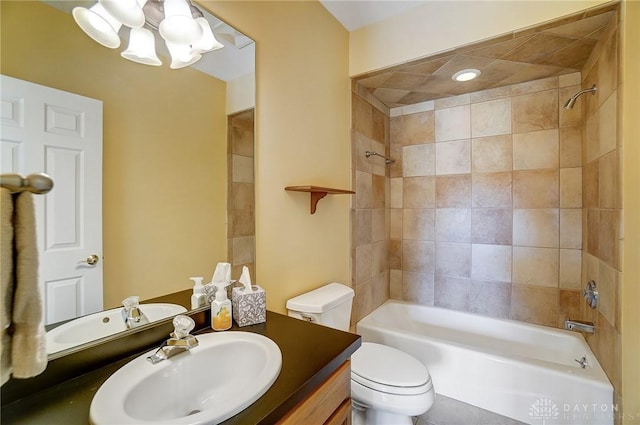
x=207, y=42
x=142, y=47
x=98, y=24
x=182, y=55
x=129, y=12
x=178, y=25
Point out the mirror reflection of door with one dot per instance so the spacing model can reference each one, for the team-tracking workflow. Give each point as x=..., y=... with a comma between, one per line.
x=60, y=134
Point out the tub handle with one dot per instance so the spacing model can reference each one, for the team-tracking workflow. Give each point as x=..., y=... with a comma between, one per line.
x=582, y=362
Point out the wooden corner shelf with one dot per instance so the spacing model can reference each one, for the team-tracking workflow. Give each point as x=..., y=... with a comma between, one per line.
x=318, y=192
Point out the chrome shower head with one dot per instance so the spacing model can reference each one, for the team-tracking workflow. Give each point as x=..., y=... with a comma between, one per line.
x=572, y=101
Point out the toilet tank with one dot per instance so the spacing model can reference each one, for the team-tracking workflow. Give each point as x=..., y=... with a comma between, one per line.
x=329, y=305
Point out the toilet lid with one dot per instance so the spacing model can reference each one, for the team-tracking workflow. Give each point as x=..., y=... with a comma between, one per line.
x=390, y=370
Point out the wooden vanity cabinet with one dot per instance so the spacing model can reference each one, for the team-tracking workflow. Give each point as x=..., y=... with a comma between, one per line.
x=329, y=404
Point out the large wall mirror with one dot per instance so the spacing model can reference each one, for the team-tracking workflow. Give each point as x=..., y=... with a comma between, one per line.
x=168, y=140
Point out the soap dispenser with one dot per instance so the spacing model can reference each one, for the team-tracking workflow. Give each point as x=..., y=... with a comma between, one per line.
x=199, y=298
x=221, y=308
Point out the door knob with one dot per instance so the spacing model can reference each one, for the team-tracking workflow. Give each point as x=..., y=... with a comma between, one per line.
x=91, y=260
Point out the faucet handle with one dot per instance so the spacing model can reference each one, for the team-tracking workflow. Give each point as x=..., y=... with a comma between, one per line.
x=131, y=302
x=182, y=325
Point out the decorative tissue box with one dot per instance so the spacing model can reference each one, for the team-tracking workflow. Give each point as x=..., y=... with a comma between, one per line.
x=249, y=308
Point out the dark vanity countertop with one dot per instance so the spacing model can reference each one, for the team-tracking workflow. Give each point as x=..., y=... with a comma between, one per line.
x=310, y=353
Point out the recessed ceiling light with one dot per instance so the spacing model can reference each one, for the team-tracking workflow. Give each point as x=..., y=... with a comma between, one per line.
x=466, y=74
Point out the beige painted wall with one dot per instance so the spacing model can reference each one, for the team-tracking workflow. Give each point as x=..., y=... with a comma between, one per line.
x=164, y=184
x=441, y=25
x=631, y=195
x=302, y=137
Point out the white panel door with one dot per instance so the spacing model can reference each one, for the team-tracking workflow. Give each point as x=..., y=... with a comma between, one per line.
x=59, y=133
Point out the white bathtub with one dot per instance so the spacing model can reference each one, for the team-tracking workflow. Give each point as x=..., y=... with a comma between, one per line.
x=522, y=371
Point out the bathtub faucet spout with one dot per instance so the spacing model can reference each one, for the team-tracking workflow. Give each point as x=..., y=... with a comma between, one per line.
x=579, y=325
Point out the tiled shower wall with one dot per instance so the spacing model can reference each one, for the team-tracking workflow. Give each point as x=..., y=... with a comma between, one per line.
x=602, y=190
x=486, y=202
x=241, y=193
x=369, y=212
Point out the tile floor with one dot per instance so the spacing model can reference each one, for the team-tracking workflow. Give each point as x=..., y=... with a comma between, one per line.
x=447, y=411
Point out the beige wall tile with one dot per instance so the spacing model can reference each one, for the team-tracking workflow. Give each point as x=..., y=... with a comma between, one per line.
x=418, y=160
x=453, y=191
x=609, y=229
x=535, y=111
x=395, y=254
x=453, y=259
x=607, y=125
x=395, y=230
x=453, y=123
x=534, y=86
x=592, y=138
x=395, y=284
x=571, y=187
x=419, y=192
x=362, y=116
x=536, y=150
x=570, y=268
x=591, y=185
x=378, y=166
x=362, y=227
x=364, y=262
x=491, y=118
x=413, y=129
x=244, y=250
x=242, y=223
x=242, y=169
x=451, y=292
x=536, y=228
x=453, y=157
x=535, y=189
x=490, y=298
x=492, y=154
x=593, y=232
x=569, y=79
x=491, y=226
x=378, y=228
x=571, y=228
x=417, y=287
x=379, y=257
x=364, y=190
x=491, y=190
x=536, y=266
x=242, y=196
x=570, y=306
x=491, y=262
x=570, y=147
x=534, y=304
x=379, y=125
x=453, y=225
x=607, y=291
x=608, y=180
x=490, y=94
x=418, y=224
x=242, y=141
x=396, y=192
x=418, y=256
x=451, y=101
x=378, y=190
x=380, y=289
x=363, y=300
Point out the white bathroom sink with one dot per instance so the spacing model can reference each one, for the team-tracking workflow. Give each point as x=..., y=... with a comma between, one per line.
x=219, y=378
x=102, y=324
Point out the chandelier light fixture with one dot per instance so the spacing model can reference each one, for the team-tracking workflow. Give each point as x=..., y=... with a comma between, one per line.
x=181, y=25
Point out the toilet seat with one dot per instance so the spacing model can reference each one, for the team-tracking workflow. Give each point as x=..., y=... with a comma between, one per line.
x=388, y=370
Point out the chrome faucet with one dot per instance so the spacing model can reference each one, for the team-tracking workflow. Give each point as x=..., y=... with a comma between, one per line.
x=180, y=340
x=579, y=325
x=131, y=313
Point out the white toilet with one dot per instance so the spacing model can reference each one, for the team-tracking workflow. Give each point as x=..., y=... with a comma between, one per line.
x=388, y=386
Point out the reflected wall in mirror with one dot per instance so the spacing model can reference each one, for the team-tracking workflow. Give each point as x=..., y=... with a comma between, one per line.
x=165, y=143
